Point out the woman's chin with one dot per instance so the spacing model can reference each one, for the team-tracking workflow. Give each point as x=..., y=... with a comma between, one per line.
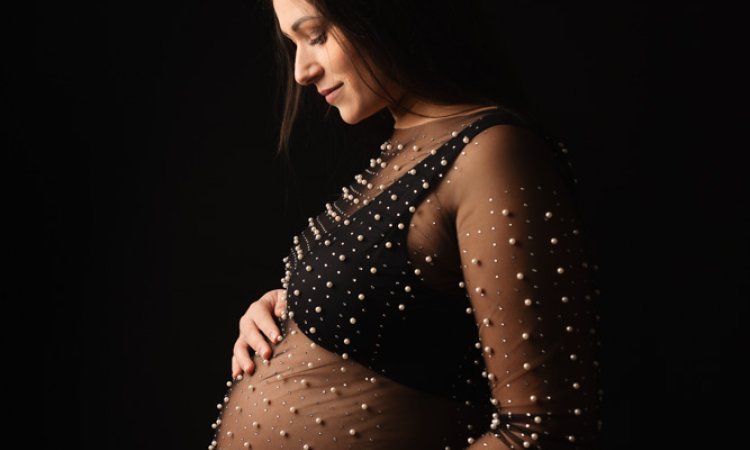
x=351, y=119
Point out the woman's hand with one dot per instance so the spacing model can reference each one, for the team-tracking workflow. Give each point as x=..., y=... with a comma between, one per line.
x=257, y=319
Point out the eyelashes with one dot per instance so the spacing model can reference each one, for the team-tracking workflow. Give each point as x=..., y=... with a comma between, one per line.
x=317, y=40
x=320, y=39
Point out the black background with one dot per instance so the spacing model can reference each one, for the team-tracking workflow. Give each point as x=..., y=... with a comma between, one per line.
x=150, y=210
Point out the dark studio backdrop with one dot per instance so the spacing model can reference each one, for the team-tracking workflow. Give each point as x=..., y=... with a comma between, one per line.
x=152, y=211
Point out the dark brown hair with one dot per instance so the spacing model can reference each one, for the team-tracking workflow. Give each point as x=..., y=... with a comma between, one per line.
x=434, y=49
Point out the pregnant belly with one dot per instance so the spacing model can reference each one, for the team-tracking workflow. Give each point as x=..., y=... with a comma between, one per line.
x=306, y=397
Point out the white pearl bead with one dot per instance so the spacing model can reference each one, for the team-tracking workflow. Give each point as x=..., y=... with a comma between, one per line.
x=519, y=275
x=553, y=240
x=373, y=269
x=505, y=211
x=352, y=320
x=352, y=431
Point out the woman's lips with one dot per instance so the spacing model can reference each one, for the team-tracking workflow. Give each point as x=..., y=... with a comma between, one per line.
x=331, y=96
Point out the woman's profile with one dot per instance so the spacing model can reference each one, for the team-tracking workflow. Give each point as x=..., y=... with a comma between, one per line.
x=445, y=299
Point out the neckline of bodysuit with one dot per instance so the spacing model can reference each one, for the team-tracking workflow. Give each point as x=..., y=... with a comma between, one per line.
x=443, y=126
x=440, y=120
x=353, y=216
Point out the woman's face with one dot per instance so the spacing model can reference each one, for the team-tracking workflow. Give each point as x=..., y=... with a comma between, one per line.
x=321, y=60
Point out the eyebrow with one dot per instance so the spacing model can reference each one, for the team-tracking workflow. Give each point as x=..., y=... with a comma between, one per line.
x=298, y=22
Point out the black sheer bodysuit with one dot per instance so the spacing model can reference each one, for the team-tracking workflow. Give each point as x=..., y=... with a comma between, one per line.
x=443, y=301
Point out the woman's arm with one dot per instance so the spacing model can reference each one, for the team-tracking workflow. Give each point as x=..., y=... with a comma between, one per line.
x=528, y=279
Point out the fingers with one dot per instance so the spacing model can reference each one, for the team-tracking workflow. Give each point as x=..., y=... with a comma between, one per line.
x=236, y=370
x=242, y=356
x=251, y=329
x=267, y=324
x=280, y=306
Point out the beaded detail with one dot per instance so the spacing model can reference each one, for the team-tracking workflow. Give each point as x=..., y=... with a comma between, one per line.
x=448, y=305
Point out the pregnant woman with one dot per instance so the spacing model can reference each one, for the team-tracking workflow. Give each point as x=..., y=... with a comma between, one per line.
x=444, y=300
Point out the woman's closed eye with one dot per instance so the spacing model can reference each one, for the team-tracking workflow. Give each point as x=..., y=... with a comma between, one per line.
x=319, y=39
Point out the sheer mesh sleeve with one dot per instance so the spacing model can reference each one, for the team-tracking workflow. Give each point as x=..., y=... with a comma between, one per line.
x=527, y=275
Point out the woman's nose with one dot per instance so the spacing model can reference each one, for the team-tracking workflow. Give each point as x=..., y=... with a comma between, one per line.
x=306, y=69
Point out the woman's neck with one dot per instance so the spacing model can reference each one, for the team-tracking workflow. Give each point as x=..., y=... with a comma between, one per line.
x=410, y=119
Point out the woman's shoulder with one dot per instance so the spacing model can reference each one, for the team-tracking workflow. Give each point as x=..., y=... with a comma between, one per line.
x=505, y=154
